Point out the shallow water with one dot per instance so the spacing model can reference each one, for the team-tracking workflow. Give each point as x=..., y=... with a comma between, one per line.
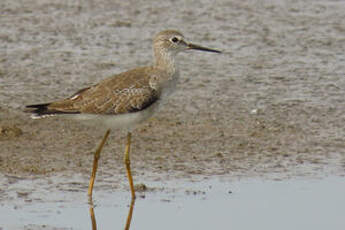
x=243, y=204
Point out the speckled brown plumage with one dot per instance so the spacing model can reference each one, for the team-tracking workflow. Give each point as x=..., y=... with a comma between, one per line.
x=123, y=93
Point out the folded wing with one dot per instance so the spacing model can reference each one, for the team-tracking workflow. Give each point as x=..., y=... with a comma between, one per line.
x=111, y=96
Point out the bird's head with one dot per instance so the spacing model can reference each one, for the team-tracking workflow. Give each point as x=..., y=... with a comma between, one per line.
x=172, y=41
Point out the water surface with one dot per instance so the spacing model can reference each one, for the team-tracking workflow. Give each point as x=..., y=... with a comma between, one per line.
x=244, y=204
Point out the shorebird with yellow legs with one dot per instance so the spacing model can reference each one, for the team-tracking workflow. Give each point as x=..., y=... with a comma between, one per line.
x=126, y=99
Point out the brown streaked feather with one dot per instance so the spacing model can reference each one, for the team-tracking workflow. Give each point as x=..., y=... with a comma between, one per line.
x=123, y=93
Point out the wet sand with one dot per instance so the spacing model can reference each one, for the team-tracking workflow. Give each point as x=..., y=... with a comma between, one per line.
x=271, y=106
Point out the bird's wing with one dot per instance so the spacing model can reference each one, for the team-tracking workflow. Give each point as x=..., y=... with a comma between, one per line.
x=124, y=93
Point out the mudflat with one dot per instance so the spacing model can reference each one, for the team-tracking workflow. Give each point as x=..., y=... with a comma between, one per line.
x=272, y=105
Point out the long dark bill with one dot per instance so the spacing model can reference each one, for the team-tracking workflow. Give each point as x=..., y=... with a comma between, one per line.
x=197, y=47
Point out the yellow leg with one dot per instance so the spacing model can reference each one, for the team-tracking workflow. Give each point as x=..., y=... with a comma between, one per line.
x=128, y=164
x=95, y=162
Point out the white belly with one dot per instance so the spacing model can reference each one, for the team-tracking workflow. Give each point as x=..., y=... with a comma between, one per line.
x=120, y=121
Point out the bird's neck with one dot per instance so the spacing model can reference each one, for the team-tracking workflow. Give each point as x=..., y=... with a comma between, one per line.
x=165, y=61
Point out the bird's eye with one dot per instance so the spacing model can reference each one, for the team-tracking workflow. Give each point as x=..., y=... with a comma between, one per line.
x=174, y=39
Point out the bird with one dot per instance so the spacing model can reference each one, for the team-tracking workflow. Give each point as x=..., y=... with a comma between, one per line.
x=124, y=100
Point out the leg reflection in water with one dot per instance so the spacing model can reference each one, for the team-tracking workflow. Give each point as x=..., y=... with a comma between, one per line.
x=92, y=214
x=129, y=216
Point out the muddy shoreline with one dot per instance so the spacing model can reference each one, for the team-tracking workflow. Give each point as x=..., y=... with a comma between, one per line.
x=272, y=105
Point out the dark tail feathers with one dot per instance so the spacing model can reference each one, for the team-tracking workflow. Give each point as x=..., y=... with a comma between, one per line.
x=40, y=110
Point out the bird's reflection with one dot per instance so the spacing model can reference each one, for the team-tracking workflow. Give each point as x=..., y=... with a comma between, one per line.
x=128, y=220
